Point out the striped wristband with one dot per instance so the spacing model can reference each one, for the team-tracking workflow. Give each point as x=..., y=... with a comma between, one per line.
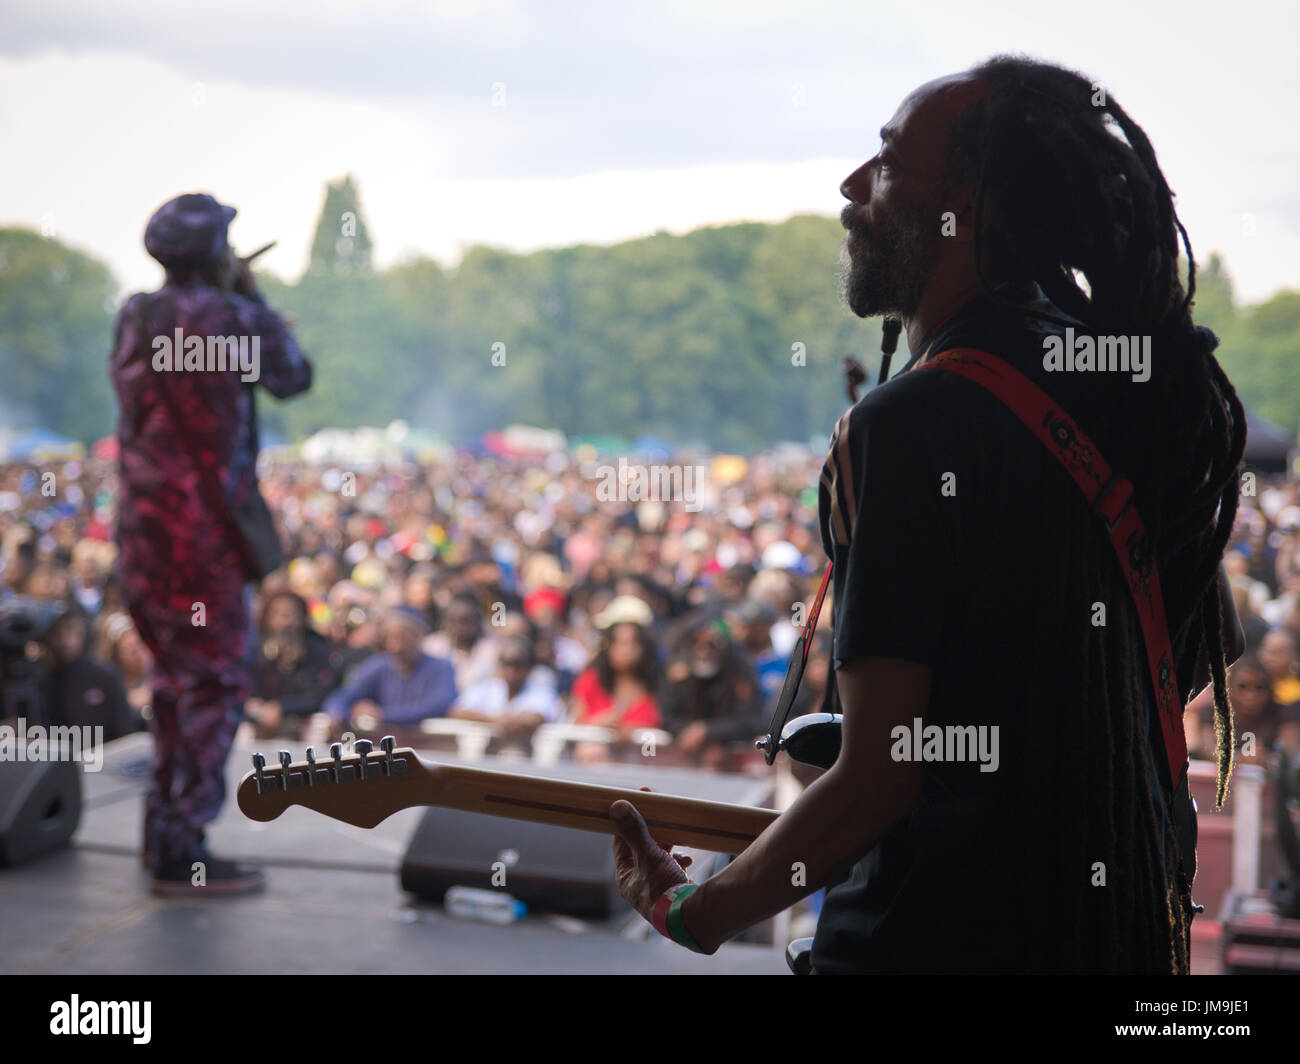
x=667, y=915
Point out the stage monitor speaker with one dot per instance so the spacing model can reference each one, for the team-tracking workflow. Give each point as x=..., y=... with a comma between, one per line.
x=40, y=807
x=551, y=869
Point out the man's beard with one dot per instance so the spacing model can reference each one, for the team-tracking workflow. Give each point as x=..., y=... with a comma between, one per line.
x=888, y=271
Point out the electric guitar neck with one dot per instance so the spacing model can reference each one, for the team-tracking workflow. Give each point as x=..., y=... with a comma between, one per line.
x=366, y=787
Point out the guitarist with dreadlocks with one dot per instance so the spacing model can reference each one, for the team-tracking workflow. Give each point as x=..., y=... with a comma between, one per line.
x=1010, y=211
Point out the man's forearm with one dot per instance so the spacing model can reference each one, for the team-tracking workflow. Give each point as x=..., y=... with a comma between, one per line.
x=835, y=822
x=477, y=716
x=831, y=825
x=339, y=704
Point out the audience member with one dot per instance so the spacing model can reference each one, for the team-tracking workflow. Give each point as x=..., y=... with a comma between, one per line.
x=514, y=706
x=78, y=691
x=294, y=674
x=713, y=702
x=400, y=686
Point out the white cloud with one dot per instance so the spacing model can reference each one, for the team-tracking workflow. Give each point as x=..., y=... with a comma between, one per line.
x=617, y=124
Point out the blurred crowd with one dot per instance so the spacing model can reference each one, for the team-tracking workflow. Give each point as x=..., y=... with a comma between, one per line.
x=1263, y=565
x=508, y=592
x=504, y=591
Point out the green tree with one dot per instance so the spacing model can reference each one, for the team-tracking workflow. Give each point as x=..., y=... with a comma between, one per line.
x=731, y=336
x=56, y=325
x=342, y=242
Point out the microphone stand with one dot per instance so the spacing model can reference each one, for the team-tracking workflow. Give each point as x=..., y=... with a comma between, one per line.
x=888, y=345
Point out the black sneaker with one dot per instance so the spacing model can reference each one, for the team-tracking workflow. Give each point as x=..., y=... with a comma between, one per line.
x=216, y=877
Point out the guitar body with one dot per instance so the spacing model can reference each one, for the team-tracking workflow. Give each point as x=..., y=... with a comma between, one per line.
x=813, y=739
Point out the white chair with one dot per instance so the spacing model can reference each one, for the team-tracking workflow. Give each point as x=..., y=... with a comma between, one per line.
x=472, y=736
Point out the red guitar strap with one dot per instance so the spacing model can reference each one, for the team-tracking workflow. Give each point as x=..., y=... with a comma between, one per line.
x=1110, y=494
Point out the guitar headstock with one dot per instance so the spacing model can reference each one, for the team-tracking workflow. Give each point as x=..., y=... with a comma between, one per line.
x=361, y=788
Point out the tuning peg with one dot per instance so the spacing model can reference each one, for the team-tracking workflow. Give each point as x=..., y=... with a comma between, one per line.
x=311, y=766
x=342, y=773
x=289, y=780
x=362, y=748
x=259, y=764
x=393, y=766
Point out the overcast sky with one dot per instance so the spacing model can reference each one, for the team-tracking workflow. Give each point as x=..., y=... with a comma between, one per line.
x=528, y=125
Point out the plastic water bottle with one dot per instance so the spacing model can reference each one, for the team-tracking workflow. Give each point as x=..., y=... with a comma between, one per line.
x=491, y=906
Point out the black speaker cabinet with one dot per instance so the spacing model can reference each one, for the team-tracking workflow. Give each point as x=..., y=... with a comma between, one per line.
x=40, y=807
x=558, y=870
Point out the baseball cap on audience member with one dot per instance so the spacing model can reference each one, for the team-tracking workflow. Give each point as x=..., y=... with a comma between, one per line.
x=624, y=609
x=782, y=555
x=544, y=598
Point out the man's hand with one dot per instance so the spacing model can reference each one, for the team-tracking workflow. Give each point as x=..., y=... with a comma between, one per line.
x=237, y=276
x=643, y=868
x=843, y=814
x=519, y=725
x=367, y=716
x=267, y=714
x=692, y=738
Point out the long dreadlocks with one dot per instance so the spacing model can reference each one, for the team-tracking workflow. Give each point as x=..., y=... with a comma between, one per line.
x=1068, y=194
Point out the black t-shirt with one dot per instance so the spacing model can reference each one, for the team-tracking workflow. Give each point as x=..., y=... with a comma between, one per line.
x=303, y=688
x=950, y=527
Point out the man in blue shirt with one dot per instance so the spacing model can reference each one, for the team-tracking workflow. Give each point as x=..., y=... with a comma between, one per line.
x=401, y=686
x=513, y=701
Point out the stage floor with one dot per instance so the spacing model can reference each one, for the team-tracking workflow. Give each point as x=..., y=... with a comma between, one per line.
x=333, y=903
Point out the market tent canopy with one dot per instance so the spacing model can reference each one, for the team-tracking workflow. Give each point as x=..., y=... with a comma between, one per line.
x=39, y=445
x=1268, y=446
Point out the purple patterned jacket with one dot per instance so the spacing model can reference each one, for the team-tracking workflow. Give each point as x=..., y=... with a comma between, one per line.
x=188, y=436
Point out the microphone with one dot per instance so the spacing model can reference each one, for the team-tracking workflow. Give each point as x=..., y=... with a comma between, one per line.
x=888, y=345
x=261, y=251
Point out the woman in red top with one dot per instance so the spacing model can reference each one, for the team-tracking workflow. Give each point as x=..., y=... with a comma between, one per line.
x=617, y=690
